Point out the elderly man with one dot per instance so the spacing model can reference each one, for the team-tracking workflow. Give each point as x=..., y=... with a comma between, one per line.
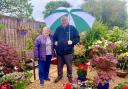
x=65, y=37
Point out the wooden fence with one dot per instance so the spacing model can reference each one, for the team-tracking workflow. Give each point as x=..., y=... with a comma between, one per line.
x=10, y=35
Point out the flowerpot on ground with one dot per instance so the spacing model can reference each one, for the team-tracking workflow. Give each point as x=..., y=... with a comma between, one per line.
x=82, y=78
x=103, y=85
x=121, y=73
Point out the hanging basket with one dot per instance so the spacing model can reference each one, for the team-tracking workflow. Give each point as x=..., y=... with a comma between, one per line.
x=22, y=32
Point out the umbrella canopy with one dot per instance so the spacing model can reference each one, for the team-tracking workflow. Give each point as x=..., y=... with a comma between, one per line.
x=77, y=17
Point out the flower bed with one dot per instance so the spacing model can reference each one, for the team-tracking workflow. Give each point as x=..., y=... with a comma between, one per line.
x=14, y=79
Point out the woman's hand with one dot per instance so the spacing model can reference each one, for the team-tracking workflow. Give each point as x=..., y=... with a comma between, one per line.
x=32, y=59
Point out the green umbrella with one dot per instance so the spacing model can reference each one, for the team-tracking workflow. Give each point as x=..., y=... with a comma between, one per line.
x=77, y=17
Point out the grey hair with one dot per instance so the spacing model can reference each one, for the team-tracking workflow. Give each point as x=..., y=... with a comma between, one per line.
x=63, y=17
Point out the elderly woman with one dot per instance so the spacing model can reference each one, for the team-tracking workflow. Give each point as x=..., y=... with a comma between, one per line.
x=43, y=51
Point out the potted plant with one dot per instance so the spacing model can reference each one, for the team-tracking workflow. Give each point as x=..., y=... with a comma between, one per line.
x=122, y=64
x=82, y=70
x=104, y=62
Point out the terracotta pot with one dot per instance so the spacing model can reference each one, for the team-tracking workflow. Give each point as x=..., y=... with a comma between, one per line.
x=121, y=73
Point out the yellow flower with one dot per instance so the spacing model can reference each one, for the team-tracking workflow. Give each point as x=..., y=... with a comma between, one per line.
x=79, y=50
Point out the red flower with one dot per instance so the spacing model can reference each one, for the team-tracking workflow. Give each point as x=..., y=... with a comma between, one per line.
x=125, y=87
x=3, y=87
x=68, y=86
x=85, y=68
x=80, y=66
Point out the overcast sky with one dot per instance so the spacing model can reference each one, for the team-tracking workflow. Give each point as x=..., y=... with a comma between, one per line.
x=39, y=6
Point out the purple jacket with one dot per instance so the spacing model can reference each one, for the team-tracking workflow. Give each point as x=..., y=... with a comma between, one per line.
x=40, y=47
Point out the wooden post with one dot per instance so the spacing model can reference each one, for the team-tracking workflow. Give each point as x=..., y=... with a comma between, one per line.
x=34, y=72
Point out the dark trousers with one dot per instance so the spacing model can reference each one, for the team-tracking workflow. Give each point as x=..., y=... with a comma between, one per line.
x=65, y=59
x=43, y=67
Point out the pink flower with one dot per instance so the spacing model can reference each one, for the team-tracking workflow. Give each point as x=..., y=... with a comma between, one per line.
x=111, y=46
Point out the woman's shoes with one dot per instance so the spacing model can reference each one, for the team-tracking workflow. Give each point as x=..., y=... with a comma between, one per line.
x=41, y=82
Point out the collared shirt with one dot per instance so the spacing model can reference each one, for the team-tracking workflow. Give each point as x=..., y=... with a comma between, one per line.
x=48, y=46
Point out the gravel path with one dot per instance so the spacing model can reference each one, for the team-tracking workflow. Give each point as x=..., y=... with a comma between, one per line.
x=60, y=84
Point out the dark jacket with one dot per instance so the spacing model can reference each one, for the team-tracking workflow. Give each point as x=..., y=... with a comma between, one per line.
x=61, y=35
x=40, y=47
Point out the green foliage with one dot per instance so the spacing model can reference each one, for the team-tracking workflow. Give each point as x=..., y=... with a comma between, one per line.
x=90, y=83
x=114, y=34
x=24, y=83
x=27, y=74
x=19, y=8
x=124, y=39
x=10, y=79
x=120, y=37
x=121, y=85
x=19, y=79
x=98, y=31
x=51, y=6
x=1, y=26
x=30, y=44
x=111, y=12
x=30, y=41
x=81, y=73
x=21, y=85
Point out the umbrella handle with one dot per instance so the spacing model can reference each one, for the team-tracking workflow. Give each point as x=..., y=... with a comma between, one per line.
x=69, y=25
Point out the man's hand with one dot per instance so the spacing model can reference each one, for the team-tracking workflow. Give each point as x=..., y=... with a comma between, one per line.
x=69, y=42
x=56, y=43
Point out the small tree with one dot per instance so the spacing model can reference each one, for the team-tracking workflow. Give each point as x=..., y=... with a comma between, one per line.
x=111, y=12
x=51, y=6
x=19, y=8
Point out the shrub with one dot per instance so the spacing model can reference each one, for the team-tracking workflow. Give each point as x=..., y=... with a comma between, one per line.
x=98, y=32
x=8, y=58
x=114, y=34
x=121, y=85
x=104, y=61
